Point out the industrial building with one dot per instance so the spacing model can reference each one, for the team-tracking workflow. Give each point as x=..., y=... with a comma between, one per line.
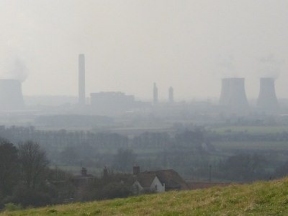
x=112, y=102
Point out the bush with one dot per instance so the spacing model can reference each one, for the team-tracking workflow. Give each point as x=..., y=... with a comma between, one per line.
x=115, y=190
x=12, y=207
x=27, y=197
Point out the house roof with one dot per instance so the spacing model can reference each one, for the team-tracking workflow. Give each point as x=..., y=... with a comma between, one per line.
x=170, y=178
x=145, y=179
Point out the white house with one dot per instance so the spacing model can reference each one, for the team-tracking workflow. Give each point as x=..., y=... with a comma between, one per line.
x=157, y=181
x=148, y=183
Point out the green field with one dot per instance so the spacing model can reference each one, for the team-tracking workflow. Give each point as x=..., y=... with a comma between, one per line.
x=262, y=198
x=251, y=145
x=250, y=129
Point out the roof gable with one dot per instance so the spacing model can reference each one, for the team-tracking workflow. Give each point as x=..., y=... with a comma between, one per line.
x=145, y=179
x=170, y=178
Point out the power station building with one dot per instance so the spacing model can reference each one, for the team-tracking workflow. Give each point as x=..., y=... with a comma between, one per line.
x=233, y=96
x=112, y=102
x=11, y=97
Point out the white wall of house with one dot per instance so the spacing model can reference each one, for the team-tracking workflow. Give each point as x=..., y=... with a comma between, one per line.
x=137, y=187
x=157, y=186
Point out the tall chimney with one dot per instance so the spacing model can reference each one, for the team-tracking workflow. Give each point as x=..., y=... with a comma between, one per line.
x=233, y=97
x=171, y=95
x=267, y=100
x=155, y=94
x=136, y=170
x=81, y=69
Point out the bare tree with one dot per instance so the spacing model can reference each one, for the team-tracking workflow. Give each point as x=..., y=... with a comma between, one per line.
x=33, y=162
x=8, y=167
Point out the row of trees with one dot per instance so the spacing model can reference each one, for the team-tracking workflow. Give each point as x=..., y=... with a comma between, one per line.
x=23, y=172
x=27, y=180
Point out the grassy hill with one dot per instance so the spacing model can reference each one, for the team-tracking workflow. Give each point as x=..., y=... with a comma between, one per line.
x=261, y=198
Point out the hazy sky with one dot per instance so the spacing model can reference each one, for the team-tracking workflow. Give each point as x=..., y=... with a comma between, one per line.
x=129, y=44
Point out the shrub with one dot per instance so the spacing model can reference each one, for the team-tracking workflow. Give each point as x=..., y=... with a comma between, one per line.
x=12, y=207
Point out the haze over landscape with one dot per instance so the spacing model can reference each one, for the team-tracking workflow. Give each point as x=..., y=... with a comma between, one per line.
x=129, y=44
x=103, y=99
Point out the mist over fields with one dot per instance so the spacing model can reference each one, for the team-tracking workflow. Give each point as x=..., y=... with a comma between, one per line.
x=94, y=95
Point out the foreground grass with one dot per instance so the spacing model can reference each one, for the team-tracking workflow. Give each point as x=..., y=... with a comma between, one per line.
x=262, y=198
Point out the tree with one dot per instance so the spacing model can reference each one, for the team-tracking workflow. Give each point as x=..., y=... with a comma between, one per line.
x=281, y=171
x=8, y=167
x=69, y=156
x=33, y=163
x=245, y=167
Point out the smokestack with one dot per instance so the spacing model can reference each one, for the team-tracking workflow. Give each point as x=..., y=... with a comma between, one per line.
x=81, y=69
x=136, y=170
x=171, y=95
x=155, y=94
x=11, y=97
x=233, y=97
x=267, y=100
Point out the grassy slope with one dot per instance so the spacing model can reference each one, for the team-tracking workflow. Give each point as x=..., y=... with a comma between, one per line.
x=262, y=198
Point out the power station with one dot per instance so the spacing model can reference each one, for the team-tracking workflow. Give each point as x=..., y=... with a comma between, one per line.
x=11, y=97
x=233, y=96
x=267, y=100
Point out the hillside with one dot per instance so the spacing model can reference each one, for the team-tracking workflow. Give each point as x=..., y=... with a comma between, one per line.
x=262, y=198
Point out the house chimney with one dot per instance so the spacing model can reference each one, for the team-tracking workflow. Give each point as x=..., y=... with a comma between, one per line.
x=84, y=171
x=105, y=172
x=136, y=170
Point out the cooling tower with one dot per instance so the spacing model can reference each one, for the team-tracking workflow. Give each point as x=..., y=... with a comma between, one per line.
x=81, y=65
x=267, y=100
x=225, y=92
x=233, y=97
x=11, y=97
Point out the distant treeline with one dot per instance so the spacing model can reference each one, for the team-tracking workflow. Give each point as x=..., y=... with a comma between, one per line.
x=248, y=137
x=189, y=152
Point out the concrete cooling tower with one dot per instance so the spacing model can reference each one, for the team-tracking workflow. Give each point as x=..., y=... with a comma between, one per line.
x=225, y=92
x=233, y=97
x=11, y=97
x=267, y=100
